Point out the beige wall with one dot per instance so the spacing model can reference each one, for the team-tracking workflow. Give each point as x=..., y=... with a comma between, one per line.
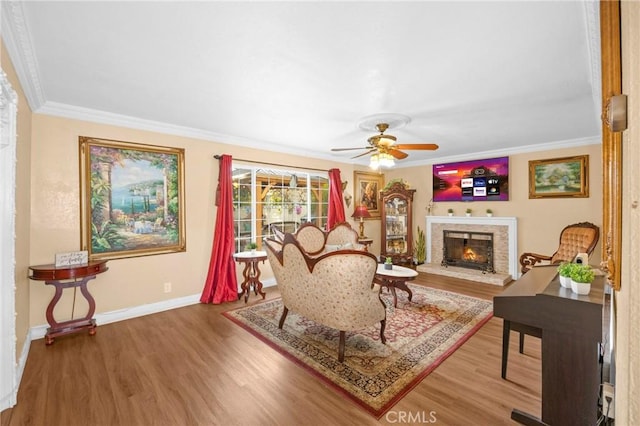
x=539, y=220
x=55, y=220
x=23, y=178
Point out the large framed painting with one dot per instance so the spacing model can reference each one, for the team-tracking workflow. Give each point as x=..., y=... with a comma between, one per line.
x=559, y=177
x=367, y=187
x=131, y=199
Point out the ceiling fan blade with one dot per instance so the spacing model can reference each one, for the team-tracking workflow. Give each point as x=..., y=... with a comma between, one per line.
x=420, y=146
x=349, y=149
x=399, y=155
x=365, y=153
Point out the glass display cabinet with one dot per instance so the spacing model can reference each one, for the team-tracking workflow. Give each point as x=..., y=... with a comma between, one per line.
x=396, y=218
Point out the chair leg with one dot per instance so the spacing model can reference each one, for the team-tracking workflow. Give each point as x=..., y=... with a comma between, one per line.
x=506, y=330
x=341, y=347
x=383, y=324
x=285, y=311
x=521, y=342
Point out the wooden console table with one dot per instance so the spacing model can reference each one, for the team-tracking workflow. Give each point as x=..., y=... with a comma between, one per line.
x=251, y=272
x=62, y=277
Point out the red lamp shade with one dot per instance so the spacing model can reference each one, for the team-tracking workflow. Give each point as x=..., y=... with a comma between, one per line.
x=361, y=212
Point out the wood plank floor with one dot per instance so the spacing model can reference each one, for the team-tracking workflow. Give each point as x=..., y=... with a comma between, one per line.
x=192, y=366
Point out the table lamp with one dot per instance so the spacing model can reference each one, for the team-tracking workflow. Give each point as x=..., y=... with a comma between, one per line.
x=360, y=213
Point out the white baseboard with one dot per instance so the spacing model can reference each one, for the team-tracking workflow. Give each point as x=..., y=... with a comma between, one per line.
x=39, y=331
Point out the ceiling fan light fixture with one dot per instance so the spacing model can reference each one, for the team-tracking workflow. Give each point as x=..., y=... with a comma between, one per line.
x=374, y=162
x=386, y=160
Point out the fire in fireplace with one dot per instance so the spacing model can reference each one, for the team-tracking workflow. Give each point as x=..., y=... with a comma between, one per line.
x=468, y=250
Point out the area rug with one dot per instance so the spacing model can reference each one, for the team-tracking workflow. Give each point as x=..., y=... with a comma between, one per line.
x=420, y=334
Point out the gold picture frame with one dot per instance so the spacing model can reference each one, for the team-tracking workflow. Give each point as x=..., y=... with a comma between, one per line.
x=131, y=199
x=367, y=187
x=559, y=177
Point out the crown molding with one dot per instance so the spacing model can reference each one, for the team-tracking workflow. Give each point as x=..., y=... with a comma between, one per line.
x=108, y=118
x=17, y=39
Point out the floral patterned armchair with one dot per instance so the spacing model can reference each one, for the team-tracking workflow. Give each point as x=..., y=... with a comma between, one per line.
x=334, y=289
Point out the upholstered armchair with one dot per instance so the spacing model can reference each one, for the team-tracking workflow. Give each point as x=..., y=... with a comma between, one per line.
x=314, y=241
x=334, y=289
x=577, y=238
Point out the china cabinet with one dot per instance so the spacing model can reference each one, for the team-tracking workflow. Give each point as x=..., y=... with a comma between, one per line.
x=396, y=203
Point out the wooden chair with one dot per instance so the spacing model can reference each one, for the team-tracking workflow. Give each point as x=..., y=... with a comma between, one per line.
x=576, y=238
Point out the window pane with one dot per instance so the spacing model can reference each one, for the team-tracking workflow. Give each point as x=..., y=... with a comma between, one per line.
x=282, y=198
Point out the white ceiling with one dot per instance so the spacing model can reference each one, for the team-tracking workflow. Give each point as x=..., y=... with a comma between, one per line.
x=478, y=78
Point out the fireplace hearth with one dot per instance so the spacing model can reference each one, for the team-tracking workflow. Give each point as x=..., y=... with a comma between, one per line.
x=468, y=249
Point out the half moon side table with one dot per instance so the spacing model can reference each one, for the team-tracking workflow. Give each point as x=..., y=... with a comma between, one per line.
x=62, y=277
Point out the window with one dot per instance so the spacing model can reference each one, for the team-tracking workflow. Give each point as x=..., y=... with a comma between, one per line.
x=285, y=198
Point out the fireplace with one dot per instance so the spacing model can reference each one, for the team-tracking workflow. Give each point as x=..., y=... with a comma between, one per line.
x=504, y=253
x=469, y=249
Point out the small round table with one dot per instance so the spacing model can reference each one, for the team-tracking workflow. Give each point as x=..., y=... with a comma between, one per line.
x=251, y=272
x=62, y=277
x=395, y=278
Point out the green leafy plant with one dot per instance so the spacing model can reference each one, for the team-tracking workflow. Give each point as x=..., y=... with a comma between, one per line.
x=565, y=268
x=450, y=211
x=251, y=246
x=489, y=211
x=582, y=274
x=468, y=211
x=388, y=261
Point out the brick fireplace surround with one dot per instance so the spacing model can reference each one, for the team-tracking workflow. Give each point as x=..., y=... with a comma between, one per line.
x=505, y=250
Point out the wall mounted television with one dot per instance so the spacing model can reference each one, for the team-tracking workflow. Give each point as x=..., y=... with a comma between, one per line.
x=475, y=180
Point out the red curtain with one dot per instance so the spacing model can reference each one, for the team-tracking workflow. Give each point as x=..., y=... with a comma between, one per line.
x=336, y=208
x=221, y=284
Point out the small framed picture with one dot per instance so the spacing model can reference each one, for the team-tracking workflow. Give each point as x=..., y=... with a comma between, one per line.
x=559, y=177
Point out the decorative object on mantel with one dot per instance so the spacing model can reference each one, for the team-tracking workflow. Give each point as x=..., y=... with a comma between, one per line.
x=468, y=212
x=420, y=339
x=450, y=212
x=489, y=213
x=361, y=213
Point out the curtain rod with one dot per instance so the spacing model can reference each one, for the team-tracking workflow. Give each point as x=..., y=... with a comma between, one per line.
x=218, y=157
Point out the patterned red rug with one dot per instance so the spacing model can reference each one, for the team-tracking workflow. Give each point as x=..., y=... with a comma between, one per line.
x=420, y=334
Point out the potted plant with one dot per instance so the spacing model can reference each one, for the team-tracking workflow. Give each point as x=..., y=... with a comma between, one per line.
x=468, y=212
x=489, y=212
x=450, y=212
x=251, y=246
x=564, y=272
x=581, y=278
x=421, y=247
x=388, y=263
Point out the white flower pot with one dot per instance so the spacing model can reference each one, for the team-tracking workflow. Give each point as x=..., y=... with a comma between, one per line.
x=450, y=214
x=580, y=288
x=565, y=281
x=468, y=214
x=489, y=214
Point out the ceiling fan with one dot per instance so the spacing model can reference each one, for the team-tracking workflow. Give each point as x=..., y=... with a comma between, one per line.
x=384, y=149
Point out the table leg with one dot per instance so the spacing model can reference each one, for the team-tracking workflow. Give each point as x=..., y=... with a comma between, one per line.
x=245, y=283
x=402, y=285
x=257, y=282
x=65, y=327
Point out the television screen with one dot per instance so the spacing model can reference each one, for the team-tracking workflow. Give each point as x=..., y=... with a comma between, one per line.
x=477, y=180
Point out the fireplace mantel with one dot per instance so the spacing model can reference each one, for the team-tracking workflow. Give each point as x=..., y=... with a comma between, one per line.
x=464, y=222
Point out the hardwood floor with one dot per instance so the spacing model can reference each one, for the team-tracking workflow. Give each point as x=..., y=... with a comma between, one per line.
x=193, y=366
